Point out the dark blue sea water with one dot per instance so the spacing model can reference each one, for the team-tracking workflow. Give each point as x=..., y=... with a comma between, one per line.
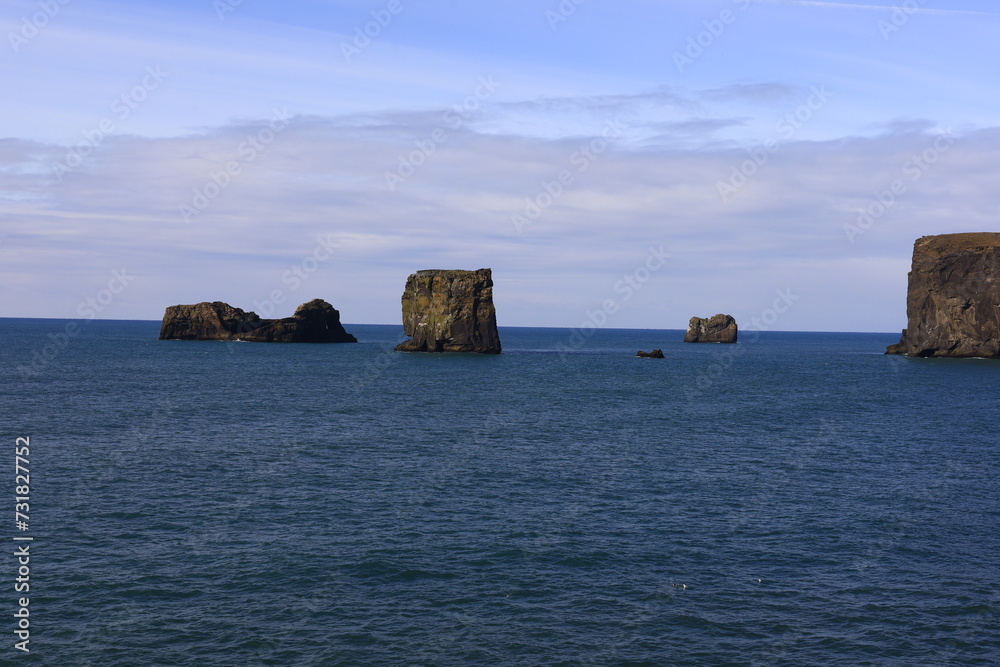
x=208, y=503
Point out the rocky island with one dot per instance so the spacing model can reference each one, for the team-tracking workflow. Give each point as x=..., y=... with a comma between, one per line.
x=716, y=329
x=953, y=297
x=450, y=311
x=313, y=322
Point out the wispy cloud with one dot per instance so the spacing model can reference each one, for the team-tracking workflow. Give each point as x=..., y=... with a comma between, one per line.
x=611, y=103
x=881, y=8
x=662, y=96
x=755, y=93
x=699, y=126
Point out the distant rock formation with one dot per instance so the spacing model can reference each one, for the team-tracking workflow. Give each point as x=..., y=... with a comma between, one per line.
x=450, y=311
x=953, y=298
x=655, y=354
x=716, y=329
x=313, y=322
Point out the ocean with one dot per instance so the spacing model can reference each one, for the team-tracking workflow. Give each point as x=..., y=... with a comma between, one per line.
x=795, y=499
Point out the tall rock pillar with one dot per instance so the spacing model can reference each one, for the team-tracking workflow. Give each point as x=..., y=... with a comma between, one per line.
x=450, y=311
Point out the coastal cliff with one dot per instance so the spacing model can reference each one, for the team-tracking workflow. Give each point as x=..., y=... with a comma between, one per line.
x=450, y=311
x=313, y=322
x=716, y=329
x=953, y=297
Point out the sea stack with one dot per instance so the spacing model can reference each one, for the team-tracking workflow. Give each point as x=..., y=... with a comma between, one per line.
x=716, y=329
x=450, y=311
x=953, y=297
x=313, y=322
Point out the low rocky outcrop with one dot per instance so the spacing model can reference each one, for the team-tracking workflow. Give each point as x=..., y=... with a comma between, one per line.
x=655, y=354
x=313, y=322
x=450, y=311
x=953, y=297
x=716, y=329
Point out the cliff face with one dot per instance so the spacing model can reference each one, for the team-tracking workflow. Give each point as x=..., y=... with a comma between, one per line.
x=450, y=311
x=953, y=298
x=313, y=322
x=716, y=329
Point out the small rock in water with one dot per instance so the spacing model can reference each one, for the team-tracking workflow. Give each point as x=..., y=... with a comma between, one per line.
x=716, y=329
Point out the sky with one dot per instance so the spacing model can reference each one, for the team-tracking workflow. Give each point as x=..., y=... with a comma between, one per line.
x=628, y=164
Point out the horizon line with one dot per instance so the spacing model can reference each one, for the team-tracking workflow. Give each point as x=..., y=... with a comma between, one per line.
x=499, y=326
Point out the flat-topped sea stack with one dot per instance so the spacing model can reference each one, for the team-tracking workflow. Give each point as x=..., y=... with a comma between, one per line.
x=313, y=322
x=450, y=311
x=953, y=297
x=716, y=329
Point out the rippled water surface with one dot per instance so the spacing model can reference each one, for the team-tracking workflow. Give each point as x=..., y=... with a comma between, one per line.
x=796, y=499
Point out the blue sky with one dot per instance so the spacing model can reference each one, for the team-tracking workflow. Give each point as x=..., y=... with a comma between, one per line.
x=265, y=155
